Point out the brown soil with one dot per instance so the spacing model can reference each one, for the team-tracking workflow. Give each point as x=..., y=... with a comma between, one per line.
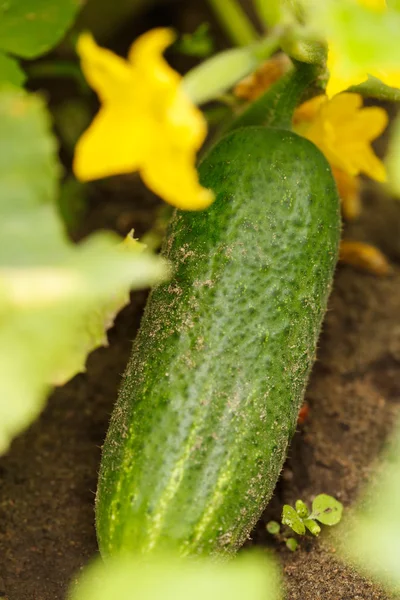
x=48, y=479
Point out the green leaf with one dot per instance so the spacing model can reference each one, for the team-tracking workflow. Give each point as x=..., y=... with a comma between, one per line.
x=56, y=298
x=215, y=76
x=301, y=509
x=312, y=526
x=393, y=160
x=269, y=11
x=10, y=71
x=326, y=509
x=373, y=88
x=250, y=576
x=367, y=40
x=292, y=520
x=292, y=544
x=29, y=28
x=273, y=527
x=373, y=542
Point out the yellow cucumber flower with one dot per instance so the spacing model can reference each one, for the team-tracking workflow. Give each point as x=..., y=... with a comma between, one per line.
x=341, y=78
x=343, y=130
x=146, y=122
x=349, y=189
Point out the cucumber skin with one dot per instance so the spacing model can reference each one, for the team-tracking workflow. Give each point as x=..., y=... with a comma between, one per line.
x=217, y=374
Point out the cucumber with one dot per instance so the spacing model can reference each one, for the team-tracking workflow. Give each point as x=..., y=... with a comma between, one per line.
x=210, y=397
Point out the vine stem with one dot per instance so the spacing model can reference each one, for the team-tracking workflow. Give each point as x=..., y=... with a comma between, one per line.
x=234, y=21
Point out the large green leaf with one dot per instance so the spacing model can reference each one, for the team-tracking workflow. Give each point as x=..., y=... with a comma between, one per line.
x=251, y=577
x=394, y=4
x=374, y=541
x=393, y=160
x=56, y=298
x=10, y=71
x=366, y=39
x=29, y=28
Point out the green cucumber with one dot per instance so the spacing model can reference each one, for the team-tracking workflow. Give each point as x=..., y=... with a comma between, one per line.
x=211, y=395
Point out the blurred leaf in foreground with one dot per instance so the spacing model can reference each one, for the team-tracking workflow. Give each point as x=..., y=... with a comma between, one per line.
x=393, y=159
x=250, y=577
x=10, y=71
x=374, y=543
x=362, y=41
x=29, y=28
x=56, y=298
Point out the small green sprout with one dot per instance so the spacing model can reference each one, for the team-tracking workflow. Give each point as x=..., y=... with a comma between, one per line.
x=273, y=527
x=325, y=509
x=301, y=509
x=292, y=544
x=312, y=526
x=293, y=520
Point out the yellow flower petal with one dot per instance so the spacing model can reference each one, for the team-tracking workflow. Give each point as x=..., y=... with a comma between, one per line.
x=115, y=143
x=349, y=189
x=146, y=56
x=173, y=177
x=309, y=110
x=371, y=165
x=108, y=74
x=339, y=79
x=146, y=122
x=342, y=129
x=185, y=122
x=369, y=123
x=392, y=79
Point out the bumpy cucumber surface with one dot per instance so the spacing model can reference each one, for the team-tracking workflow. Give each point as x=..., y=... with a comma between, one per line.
x=211, y=394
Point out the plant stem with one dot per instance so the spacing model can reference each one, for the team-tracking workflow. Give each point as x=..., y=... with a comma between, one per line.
x=234, y=21
x=269, y=11
x=276, y=106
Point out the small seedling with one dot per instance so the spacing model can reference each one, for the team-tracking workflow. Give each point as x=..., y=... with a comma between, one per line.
x=292, y=544
x=325, y=509
x=274, y=528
